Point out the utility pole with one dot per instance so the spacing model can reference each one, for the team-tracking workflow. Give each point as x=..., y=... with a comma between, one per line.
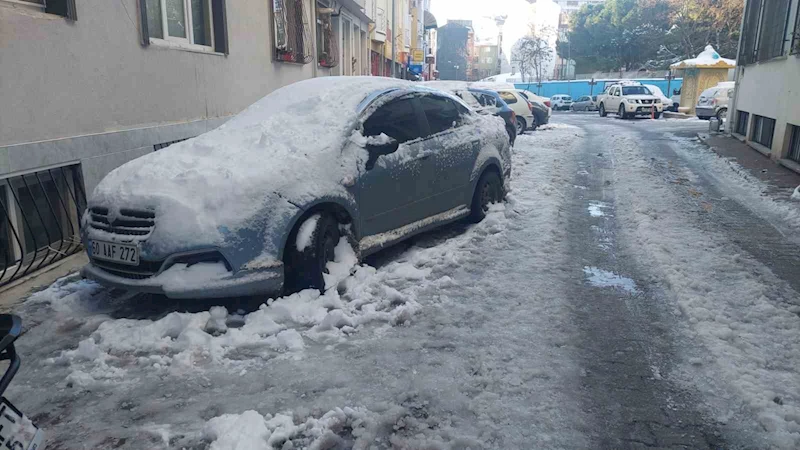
x=394, y=44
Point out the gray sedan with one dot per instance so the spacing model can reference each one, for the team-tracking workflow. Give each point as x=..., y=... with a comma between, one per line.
x=585, y=103
x=263, y=203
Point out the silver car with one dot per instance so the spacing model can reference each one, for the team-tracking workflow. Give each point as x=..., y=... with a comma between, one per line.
x=584, y=103
x=259, y=205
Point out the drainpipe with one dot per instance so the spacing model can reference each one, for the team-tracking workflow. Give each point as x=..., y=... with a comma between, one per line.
x=394, y=44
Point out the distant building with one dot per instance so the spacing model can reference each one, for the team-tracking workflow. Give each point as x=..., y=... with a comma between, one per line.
x=571, y=6
x=487, y=65
x=765, y=111
x=453, y=56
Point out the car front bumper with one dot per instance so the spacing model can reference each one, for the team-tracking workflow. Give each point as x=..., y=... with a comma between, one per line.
x=181, y=282
x=705, y=111
x=640, y=109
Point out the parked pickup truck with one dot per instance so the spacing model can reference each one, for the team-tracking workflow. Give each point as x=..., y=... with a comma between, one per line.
x=629, y=100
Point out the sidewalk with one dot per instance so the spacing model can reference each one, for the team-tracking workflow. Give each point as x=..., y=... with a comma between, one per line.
x=779, y=178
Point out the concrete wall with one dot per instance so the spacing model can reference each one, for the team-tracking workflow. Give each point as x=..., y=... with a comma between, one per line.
x=772, y=89
x=62, y=80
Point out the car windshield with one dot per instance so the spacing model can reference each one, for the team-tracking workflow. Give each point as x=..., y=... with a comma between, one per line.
x=635, y=90
x=382, y=225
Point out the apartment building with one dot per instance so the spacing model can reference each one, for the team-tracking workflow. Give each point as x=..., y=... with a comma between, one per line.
x=766, y=106
x=89, y=85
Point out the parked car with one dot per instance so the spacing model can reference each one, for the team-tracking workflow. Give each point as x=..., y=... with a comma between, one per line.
x=541, y=108
x=259, y=204
x=522, y=107
x=483, y=101
x=675, y=100
x=713, y=102
x=585, y=103
x=560, y=101
x=655, y=90
x=629, y=100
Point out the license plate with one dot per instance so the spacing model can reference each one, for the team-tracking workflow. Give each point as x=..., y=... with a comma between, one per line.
x=646, y=109
x=112, y=251
x=17, y=432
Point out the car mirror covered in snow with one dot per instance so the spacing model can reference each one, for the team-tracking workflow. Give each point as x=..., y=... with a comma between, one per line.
x=378, y=146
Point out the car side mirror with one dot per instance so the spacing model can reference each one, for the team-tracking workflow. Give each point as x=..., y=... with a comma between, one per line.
x=378, y=149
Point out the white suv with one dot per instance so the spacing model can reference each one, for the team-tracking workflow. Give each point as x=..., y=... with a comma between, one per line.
x=628, y=101
x=560, y=101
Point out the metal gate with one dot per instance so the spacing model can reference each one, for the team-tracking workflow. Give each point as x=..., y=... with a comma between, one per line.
x=39, y=219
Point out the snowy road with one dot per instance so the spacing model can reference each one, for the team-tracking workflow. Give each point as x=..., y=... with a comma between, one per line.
x=635, y=291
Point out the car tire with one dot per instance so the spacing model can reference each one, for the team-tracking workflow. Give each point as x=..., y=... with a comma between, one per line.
x=305, y=269
x=656, y=115
x=572, y=108
x=488, y=190
x=621, y=112
x=521, y=125
x=722, y=113
x=703, y=117
x=602, y=110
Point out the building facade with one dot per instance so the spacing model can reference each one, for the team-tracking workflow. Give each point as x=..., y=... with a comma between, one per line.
x=766, y=105
x=452, y=57
x=488, y=56
x=89, y=85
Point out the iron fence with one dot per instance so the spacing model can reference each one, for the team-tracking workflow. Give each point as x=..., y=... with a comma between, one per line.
x=39, y=220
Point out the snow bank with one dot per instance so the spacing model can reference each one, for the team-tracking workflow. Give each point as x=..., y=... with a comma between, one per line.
x=305, y=233
x=796, y=194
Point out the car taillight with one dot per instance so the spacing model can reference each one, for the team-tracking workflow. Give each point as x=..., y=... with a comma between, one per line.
x=714, y=102
x=547, y=103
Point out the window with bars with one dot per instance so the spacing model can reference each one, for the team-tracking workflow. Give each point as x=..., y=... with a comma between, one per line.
x=742, y=118
x=750, y=30
x=39, y=219
x=796, y=34
x=199, y=23
x=292, y=33
x=763, y=130
x=794, y=145
x=166, y=144
x=65, y=8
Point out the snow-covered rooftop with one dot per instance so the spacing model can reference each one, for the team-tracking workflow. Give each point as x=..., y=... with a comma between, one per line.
x=707, y=58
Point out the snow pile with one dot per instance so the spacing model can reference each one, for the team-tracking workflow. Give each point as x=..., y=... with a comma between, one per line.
x=357, y=428
x=306, y=232
x=796, y=194
x=357, y=295
x=604, y=278
x=708, y=57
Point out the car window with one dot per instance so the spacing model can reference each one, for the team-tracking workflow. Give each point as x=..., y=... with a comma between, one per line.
x=508, y=97
x=635, y=90
x=442, y=113
x=469, y=99
x=488, y=100
x=524, y=95
x=396, y=119
x=567, y=98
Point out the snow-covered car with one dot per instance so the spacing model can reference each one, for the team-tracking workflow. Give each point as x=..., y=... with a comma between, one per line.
x=560, y=101
x=629, y=100
x=260, y=204
x=713, y=102
x=540, y=106
x=482, y=101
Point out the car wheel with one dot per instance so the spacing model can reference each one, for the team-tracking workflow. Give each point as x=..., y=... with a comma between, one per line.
x=489, y=190
x=572, y=108
x=621, y=112
x=521, y=125
x=657, y=115
x=305, y=268
x=602, y=110
x=722, y=113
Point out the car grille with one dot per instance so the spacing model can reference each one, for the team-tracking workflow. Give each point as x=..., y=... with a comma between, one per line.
x=144, y=270
x=647, y=102
x=129, y=222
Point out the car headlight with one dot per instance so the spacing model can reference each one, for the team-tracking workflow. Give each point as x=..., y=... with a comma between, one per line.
x=636, y=100
x=658, y=100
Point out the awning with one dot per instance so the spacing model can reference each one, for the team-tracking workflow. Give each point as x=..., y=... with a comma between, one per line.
x=430, y=21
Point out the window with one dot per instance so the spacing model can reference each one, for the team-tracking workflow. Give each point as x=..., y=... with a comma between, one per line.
x=750, y=31
x=796, y=33
x=39, y=219
x=508, y=97
x=441, y=112
x=774, y=21
x=64, y=8
x=742, y=117
x=397, y=120
x=486, y=100
x=158, y=147
x=198, y=23
x=292, y=36
x=794, y=145
x=489, y=60
x=763, y=130
x=327, y=50
x=635, y=90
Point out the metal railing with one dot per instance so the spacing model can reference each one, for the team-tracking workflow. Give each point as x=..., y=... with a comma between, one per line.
x=39, y=220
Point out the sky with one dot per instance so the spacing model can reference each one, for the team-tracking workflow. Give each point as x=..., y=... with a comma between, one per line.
x=520, y=14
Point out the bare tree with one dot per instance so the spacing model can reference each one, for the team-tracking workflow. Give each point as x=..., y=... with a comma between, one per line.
x=532, y=53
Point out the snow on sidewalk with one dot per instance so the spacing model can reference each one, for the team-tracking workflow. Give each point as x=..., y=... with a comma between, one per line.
x=743, y=346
